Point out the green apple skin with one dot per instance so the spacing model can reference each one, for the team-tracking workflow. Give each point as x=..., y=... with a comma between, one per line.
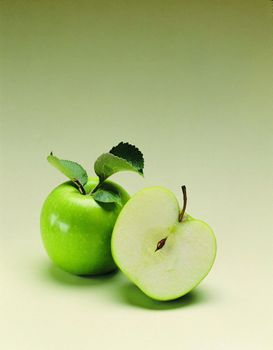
x=76, y=230
x=184, y=261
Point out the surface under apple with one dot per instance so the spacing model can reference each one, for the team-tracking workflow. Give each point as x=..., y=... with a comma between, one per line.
x=159, y=247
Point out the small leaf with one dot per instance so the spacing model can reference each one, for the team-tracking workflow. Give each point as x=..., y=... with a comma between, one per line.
x=72, y=170
x=108, y=164
x=107, y=196
x=120, y=158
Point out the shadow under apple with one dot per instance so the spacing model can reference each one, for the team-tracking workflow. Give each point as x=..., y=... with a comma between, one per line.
x=55, y=274
x=119, y=289
x=132, y=295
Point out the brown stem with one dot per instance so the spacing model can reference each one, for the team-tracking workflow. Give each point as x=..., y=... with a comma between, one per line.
x=161, y=243
x=79, y=185
x=184, y=191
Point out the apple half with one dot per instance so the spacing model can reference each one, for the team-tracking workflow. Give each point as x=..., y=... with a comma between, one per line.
x=160, y=248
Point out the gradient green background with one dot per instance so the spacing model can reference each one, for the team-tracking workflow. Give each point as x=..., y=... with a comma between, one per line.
x=190, y=83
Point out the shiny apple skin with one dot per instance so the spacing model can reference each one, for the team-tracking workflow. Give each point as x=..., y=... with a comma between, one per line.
x=76, y=230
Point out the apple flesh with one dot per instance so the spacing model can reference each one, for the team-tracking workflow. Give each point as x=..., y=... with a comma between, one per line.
x=76, y=230
x=165, y=258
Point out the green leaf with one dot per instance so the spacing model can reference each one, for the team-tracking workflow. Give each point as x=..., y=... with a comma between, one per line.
x=130, y=153
x=107, y=196
x=120, y=158
x=72, y=170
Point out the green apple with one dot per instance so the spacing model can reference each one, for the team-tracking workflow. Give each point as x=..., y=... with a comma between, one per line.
x=161, y=249
x=76, y=229
x=78, y=217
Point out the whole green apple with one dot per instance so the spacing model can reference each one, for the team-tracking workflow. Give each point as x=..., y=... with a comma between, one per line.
x=76, y=229
x=78, y=217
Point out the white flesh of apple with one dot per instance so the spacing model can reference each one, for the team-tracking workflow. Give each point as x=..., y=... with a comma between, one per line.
x=185, y=259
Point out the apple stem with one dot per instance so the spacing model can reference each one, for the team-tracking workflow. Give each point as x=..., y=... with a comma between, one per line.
x=79, y=185
x=161, y=244
x=184, y=191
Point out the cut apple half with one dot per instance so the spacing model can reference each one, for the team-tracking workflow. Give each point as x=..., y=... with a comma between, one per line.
x=160, y=248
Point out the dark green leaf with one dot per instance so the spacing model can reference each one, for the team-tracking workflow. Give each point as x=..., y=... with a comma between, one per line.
x=107, y=196
x=120, y=158
x=72, y=170
x=130, y=153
